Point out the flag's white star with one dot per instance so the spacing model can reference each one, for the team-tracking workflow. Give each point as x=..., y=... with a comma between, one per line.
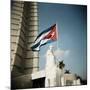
x=52, y=34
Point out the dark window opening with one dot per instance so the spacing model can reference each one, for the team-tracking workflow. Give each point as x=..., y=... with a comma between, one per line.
x=38, y=83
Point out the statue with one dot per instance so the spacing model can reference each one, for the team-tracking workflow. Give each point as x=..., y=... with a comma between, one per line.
x=50, y=69
x=54, y=70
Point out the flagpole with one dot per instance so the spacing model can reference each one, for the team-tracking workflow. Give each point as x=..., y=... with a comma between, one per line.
x=57, y=40
x=57, y=35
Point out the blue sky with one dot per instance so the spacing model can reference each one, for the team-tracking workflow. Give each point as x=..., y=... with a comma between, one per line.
x=72, y=29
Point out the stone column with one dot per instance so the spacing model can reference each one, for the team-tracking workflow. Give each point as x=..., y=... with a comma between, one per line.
x=32, y=57
x=62, y=81
x=78, y=82
x=24, y=30
x=16, y=40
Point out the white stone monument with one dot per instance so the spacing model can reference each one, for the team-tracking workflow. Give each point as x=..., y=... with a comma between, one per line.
x=50, y=69
x=54, y=75
x=78, y=82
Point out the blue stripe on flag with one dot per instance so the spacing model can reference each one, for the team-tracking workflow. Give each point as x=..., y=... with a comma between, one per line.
x=45, y=31
x=34, y=47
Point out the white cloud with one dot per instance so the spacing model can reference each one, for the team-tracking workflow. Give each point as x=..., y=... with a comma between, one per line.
x=67, y=52
x=61, y=54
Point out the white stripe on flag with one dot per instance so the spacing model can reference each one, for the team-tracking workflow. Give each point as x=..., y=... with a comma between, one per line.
x=42, y=42
x=41, y=37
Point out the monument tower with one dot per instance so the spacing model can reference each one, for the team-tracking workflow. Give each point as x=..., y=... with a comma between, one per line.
x=24, y=30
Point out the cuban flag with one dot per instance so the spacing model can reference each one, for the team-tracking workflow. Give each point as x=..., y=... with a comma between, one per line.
x=47, y=36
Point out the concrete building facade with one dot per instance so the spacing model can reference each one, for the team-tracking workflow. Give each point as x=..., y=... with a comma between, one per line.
x=24, y=30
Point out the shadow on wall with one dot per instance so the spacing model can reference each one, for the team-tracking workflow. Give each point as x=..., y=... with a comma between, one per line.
x=21, y=82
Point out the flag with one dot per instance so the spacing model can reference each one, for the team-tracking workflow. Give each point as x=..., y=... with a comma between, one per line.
x=47, y=36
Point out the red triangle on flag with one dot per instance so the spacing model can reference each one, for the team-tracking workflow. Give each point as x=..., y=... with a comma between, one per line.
x=52, y=34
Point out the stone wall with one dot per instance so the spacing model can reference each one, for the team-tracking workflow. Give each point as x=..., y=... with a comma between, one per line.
x=17, y=43
x=24, y=30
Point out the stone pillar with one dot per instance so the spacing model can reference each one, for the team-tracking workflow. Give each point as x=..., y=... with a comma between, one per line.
x=32, y=57
x=24, y=30
x=74, y=82
x=78, y=82
x=17, y=44
x=58, y=77
x=62, y=81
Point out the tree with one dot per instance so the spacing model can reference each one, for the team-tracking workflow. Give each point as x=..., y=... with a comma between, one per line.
x=67, y=71
x=61, y=64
